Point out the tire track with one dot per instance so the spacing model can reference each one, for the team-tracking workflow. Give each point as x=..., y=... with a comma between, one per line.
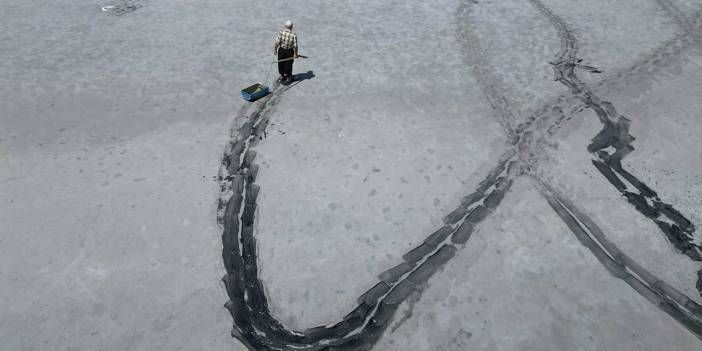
x=644, y=69
x=256, y=328
x=676, y=227
x=684, y=310
x=615, y=135
x=488, y=83
x=361, y=329
x=542, y=124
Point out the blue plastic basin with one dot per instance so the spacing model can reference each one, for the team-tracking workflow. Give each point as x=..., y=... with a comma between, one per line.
x=254, y=92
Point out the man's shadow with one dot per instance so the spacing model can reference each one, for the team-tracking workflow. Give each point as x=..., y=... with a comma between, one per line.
x=297, y=78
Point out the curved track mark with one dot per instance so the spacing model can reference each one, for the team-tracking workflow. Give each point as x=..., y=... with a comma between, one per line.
x=478, y=64
x=361, y=329
x=684, y=310
x=615, y=134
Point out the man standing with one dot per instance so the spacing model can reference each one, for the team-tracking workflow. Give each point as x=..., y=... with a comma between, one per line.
x=286, y=48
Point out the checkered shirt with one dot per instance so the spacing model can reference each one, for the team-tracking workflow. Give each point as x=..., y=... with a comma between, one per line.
x=286, y=39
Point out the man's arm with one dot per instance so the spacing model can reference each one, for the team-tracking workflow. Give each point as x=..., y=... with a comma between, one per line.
x=276, y=44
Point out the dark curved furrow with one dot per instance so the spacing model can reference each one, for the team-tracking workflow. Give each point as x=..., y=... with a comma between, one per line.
x=543, y=123
x=254, y=325
x=645, y=69
x=678, y=229
x=615, y=135
x=684, y=310
x=362, y=327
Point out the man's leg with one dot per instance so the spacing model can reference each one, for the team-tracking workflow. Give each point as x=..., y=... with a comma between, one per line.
x=286, y=65
x=288, y=69
x=281, y=65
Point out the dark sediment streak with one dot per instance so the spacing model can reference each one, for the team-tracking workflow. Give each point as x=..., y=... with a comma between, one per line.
x=256, y=328
x=362, y=327
x=615, y=134
x=480, y=68
x=684, y=310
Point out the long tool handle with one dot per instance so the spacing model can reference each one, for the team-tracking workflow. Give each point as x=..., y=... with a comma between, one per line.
x=290, y=58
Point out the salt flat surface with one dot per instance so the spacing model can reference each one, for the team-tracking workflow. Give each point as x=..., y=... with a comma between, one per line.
x=522, y=283
x=664, y=157
x=112, y=129
x=341, y=214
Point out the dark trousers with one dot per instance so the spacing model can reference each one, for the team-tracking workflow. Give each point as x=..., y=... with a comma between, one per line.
x=285, y=68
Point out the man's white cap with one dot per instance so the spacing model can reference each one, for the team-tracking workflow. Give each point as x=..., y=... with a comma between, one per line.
x=288, y=24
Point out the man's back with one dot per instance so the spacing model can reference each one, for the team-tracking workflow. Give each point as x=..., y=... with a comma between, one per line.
x=287, y=39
